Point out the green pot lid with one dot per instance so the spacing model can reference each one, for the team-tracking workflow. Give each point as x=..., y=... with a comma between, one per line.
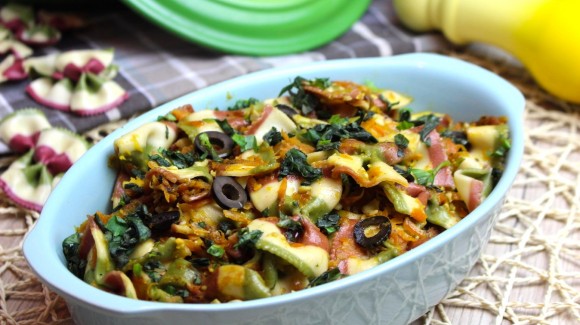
x=254, y=27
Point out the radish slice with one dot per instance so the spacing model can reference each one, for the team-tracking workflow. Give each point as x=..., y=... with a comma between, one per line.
x=85, y=101
x=11, y=69
x=52, y=94
x=39, y=35
x=20, y=129
x=26, y=183
x=59, y=148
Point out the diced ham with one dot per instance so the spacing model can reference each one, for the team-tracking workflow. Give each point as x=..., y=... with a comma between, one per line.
x=343, y=245
x=313, y=236
x=235, y=118
x=437, y=155
x=256, y=125
x=389, y=150
x=475, y=194
x=418, y=191
x=87, y=240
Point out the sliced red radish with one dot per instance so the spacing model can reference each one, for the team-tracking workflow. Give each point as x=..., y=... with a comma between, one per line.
x=56, y=95
x=20, y=129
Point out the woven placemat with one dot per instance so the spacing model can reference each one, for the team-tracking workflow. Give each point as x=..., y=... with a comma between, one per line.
x=528, y=274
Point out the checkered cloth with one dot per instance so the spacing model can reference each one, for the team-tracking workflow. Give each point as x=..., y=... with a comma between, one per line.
x=156, y=66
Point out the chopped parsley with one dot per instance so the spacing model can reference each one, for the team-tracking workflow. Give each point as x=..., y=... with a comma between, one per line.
x=246, y=142
x=293, y=229
x=329, y=222
x=294, y=163
x=70, y=248
x=458, y=137
x=248, y=239
x=427, y=177
x=123, y=234
x=216, y=251
x=306, y=102
x=430, y=122
x=326, y=277
x=243, y=103
x=328, y=136
x=402, y=143
x=502, y=147
x=206, y=143
x=273, y=137
x=226, y=127
x=160, y=160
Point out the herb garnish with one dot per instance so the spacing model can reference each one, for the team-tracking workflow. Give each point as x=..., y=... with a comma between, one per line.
x=430, y=122
x=70, y=248
x=294, y=163
x=226, y=127
x=301, y=99
x=458, y=137
x=243, y=103
x=427, y=177
x=328, y=136
x=216, y=251
x=293, y=228
x=206, y=143
x=123, y=234
x=328, y=223
x=328, y=276
x=248, y=239
x=273, y=137
x=246, y=142
x=502, y=148
x=402, y=143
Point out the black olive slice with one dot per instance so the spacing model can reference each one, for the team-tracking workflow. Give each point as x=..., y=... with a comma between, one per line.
x=287, y=110
x=222, y=143
x=384, y=230
x=228, y=193
x=163, y=221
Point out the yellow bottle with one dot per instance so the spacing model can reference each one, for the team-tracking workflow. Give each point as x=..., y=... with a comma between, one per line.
x=543, y=34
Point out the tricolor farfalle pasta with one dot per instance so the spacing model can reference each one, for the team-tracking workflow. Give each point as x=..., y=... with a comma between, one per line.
x=48, y=153
x=78, y=81
x=271, y=196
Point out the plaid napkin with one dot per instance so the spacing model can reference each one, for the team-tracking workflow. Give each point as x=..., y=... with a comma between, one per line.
x=156, y=66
